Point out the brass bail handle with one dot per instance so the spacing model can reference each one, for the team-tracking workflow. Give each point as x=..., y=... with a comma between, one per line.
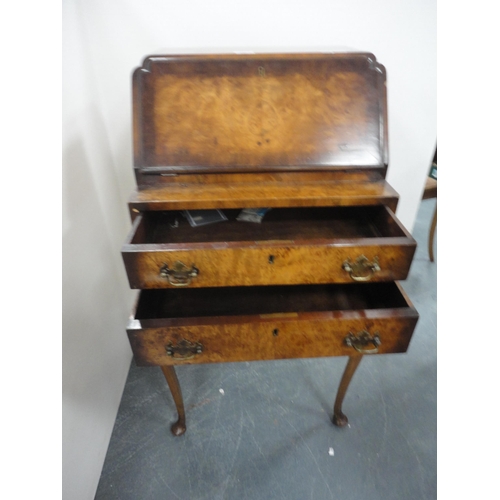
x=362, y=269
x=360, y=340
x=180, y=274
x=184, y=349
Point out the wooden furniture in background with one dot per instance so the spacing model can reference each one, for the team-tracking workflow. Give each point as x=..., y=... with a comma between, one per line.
x=303, y=134
x=430, y=191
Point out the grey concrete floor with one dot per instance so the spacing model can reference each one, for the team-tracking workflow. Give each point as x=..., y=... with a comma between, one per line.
x=262, y=430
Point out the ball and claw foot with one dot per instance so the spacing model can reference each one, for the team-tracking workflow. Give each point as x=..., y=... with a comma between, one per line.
x=178, y=428
x=340, y=420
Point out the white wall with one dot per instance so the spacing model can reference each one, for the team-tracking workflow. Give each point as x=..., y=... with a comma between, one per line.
x=96, y=299
x=103, y=42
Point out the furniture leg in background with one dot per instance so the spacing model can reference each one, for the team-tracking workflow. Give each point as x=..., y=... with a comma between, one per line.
x=432, y=232
x=430, y=191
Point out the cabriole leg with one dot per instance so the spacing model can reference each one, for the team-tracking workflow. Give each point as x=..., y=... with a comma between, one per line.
x=179, y=427
x=432, y=232
x=339, y=418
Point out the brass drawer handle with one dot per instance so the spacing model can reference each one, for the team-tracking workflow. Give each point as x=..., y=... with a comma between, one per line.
x=361, y=340
x=362, y=269
x=184, y=349
x=180, y=274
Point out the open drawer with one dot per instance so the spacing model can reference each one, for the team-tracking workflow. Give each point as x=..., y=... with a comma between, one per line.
x=290, y=246
x=210, y=325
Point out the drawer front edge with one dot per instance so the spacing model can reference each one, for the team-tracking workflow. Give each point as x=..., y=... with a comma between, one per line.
x=267, y=265
x=281, y=336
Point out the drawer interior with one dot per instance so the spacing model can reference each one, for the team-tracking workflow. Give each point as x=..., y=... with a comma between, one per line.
x=304, y=223
x=235, y=301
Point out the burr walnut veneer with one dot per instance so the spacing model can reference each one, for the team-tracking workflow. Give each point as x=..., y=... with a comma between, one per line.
x=304, y=135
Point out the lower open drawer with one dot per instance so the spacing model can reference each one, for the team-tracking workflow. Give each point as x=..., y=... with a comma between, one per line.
x=211, y=325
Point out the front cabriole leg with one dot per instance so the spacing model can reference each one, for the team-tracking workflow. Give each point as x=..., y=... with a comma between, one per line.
x=339, y=418
x=179, y=427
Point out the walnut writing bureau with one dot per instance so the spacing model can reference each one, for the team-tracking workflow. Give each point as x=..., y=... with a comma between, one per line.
x=304, y=135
